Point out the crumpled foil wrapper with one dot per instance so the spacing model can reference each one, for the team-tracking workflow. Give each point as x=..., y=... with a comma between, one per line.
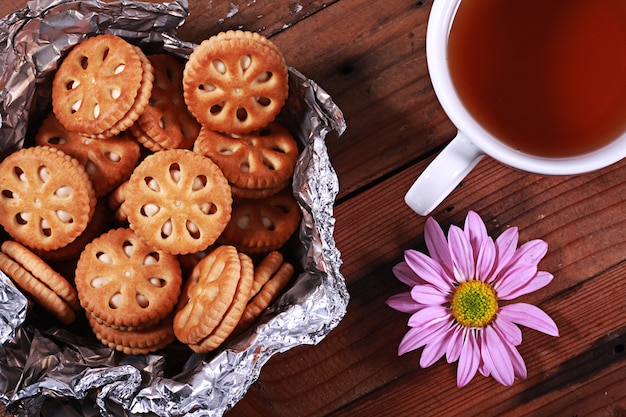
x=49, y=370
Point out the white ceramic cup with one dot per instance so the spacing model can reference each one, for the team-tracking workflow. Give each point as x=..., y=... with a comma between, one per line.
x=472, y=141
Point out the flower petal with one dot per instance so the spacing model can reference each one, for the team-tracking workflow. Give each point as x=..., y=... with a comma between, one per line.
x=406, y=275
x=462, y=254
x=404, y=302
x=428, y=269
x=429, y=295
x=417, y=337
x=512, y=280
x=527, y=256
x=412, y=340
x=455, y=344
x=475, y=230
x=538, y=281
x=506, y=244
x=436, y=348
x=531, y=252
x=469, y=359
x=496, y=357
x=484, y=369
x=438, y=245
x=508, y=330
x=485, y=260
x=429, y=316
x=530, y=316
x=519, y=367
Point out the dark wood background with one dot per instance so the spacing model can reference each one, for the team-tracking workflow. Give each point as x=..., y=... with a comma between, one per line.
x=370, y=56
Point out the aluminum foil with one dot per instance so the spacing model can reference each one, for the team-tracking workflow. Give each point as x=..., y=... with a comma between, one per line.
x=50, y=370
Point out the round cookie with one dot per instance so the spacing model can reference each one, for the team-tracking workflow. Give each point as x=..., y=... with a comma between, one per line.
x=266, y=295
x=265, y=270
x=98, y=224
x=180, y=201
x=262, y=225
x=134, y=342
x=141, y=100
x=233, y=313
x=125, y=283
x=96, y=84
x=235, y=84
x=263, y=159
x=116, y=203
x=166, y=123
x=46, y=286
x=46, y=197
x=107, y=162
x=207, y=295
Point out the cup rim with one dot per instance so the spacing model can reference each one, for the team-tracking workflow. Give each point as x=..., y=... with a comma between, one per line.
x=439, y=24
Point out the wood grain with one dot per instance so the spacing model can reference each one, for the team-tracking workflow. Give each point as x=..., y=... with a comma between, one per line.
x=358, y=361
x=370, y=56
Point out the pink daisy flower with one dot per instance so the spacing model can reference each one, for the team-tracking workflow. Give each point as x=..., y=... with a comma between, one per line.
x=455, y=299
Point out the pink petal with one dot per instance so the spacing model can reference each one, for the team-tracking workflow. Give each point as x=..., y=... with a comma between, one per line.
x=434, y=350
x=513, y=280
x=428, y=269
x=519, y=367
x=484, y=369
x=469, y=359
x=530, y=316
x=438, y=245
x=429, y=316
x=485, y=260
x=455, y=344
x=404, y=303
x=411, y=341
x=530, y=253
x=462, y=254
x=429, y=295
x=527, y=256
x=506, y=244
x=509, y=331
x=475, y=230
x=405, y=274
x=496, y=357
x=540, y=280
x=415, y=337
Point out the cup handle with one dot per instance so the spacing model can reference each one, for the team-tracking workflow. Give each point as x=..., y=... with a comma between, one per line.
x=443, y=174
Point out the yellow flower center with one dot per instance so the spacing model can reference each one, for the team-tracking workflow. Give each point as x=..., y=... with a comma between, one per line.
x=474, y=303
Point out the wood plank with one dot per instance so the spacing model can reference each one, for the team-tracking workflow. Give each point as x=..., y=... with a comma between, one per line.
x=212, y=16
x=374, y=67
x=358, y=360
x=375, y=226
x=588, y=359
x=581, y=217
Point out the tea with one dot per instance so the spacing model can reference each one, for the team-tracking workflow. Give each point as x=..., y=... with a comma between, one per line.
x=547, y=78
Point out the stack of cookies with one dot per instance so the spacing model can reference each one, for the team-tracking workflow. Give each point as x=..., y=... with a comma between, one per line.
x=236, y=83
x=102, y=86
x=147, y=163
x=128, y=290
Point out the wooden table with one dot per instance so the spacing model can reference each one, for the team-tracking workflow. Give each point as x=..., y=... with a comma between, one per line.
x=370, y=56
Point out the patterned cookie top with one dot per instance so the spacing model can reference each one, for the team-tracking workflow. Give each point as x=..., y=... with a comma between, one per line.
x=46, y=197
x=125, y=283
x=96, y=84
x=107, y=162
x=261, y=159
x=178, y=201
x=235, y=84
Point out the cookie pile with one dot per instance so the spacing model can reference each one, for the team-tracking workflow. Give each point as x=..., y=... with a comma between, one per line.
x=165, y=186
